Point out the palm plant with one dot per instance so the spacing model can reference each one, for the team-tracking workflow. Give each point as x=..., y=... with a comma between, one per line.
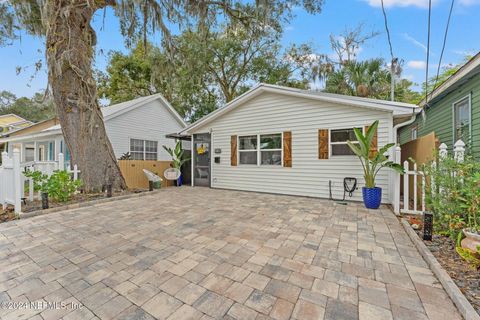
x=177, y=155
x=360, y=78
x=372, y=163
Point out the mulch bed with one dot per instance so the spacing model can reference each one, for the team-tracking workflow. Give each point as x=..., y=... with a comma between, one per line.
x=81, y=197
x=466, y=277
x=8, y=214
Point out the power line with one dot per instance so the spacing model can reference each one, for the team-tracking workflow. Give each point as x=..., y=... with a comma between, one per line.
x=388, y=31
x=444, y=43
x=428, y=50
x=394, y=61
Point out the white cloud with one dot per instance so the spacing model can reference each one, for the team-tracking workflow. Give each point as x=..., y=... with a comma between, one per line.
x=416, y=42
x=405, y=3
x=417, y=64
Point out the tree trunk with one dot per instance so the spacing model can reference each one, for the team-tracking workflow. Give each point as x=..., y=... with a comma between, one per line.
x=70, y=45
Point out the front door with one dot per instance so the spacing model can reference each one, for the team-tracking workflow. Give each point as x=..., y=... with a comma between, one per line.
x=201, y=163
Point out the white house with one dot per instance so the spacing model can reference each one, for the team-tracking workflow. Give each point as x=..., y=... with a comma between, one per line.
x=138, y=127
x=290, y=141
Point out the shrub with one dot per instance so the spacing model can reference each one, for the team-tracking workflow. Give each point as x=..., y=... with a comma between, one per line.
x=39, y=180
x=454, y=194
x=61, y=187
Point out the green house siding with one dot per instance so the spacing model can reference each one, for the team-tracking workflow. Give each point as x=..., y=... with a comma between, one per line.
x=439, y=117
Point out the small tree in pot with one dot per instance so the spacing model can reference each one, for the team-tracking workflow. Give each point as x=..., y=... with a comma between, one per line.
x=177, y=158
x=372, y=164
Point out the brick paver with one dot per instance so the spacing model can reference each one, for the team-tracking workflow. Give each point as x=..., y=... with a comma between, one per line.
x=198, y=253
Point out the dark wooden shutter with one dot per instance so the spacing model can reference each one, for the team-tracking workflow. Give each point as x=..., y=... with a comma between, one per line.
x=287, y=149
x=374, y=146
x=323, y=150
x=233, y=150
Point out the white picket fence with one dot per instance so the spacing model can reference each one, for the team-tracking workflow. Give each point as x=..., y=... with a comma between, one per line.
x=419, y=176
x=12, y=178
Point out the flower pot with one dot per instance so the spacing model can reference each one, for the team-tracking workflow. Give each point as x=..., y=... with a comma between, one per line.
x=372, y=197
x=44, y=200
x=471, y=241
x=179, y=181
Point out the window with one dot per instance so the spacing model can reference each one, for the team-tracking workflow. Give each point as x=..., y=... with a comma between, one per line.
x=338, y=142
x=248, y=149
x=143, y=149
x=462, y=120
x=414, y=133
x=265, y=149
x=271, y=149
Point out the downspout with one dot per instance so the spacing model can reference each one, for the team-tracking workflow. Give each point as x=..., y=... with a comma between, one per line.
x=403, y=124
x=396, y=183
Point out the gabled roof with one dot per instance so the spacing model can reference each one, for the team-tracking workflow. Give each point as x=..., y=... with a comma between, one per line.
x=462, y=75
x=397, y=108
x=115, y=110
x=111, y=112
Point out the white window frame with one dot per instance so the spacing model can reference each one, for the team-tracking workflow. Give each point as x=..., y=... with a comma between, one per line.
x=330, y=143
x=144, y=149
x=259, y=151
x=454, y=133
x=413, y=130
x=247, y=150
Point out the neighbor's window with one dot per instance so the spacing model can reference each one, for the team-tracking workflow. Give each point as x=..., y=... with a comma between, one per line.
x=414, y=133
x=143, y=149
x=462, y=120
x=338, y=142
x=248, y=149
x=271, y=149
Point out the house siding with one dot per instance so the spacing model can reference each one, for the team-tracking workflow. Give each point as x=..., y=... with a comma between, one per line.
x=439, y=117
x=151, y=121
x=308, y=176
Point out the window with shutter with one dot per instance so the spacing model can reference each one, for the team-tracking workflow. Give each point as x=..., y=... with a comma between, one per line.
x=323, y=150
x=287, y=149
x=233, y=150
x=374, y=146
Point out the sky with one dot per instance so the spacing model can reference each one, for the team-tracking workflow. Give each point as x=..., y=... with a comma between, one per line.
x=407, y=21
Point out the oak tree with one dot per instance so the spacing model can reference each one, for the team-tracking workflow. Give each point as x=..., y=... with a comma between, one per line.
x=70, y=40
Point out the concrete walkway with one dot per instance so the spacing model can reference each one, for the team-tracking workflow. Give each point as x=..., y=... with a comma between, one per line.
x=197, y=253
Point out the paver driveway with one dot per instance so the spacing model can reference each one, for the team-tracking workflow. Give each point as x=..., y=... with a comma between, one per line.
x=196, y=253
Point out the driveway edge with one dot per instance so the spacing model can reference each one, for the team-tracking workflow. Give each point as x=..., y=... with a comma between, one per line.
x=85, y=204
x=460, y=301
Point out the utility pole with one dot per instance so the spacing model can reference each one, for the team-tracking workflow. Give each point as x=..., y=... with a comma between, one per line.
x=393, y=72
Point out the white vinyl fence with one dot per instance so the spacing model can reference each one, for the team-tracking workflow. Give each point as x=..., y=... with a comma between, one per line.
x=11, y=181
x=419, y=180
x=12, y=178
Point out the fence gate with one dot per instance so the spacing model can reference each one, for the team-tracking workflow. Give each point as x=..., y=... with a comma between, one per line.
x=411, y=205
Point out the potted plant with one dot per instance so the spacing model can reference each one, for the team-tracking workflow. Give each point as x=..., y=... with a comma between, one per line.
x=372, y=195
x=177, y=159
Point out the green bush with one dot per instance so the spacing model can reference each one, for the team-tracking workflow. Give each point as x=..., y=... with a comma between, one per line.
x=453, y=194
x=61, y=187
x=39, y=180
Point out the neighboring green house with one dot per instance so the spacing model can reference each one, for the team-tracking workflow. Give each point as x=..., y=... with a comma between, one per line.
x=453, y=111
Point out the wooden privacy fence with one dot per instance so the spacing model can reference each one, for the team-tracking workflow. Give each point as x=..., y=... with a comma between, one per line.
x=132, y=171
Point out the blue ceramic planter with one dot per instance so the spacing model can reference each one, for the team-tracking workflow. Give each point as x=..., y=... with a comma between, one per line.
x=372, y=197
x=179, y=181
